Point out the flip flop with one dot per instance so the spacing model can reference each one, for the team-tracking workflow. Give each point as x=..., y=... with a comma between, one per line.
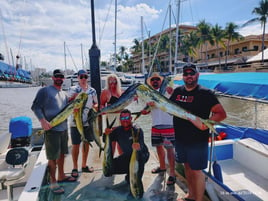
x=75, y=173
x=171, y=180
x=157, y=170
x=86, y=169
x=185, y=199
x=67, y=179
x=58, y=190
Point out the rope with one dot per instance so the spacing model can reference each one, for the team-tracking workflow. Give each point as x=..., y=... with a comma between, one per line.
x=72, y=58
x=106, y=19
x=150, y=70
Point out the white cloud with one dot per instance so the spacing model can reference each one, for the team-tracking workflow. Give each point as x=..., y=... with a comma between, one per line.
x=43, y=26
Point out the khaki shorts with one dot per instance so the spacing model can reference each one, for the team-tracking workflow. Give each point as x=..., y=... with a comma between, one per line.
x=56, y=143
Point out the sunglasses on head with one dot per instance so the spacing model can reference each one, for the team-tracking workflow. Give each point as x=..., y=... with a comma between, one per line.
x=83, y=76
x=155, y=79
x=59, y=76
x=125, y=118
x=192, y=73
x=112, y=82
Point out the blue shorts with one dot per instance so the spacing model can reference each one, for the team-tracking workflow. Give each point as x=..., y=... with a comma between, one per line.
x=163, y=135
x=195, y=154
x=76, y=137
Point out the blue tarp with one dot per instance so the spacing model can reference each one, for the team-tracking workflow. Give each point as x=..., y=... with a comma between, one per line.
x=244, y=84
x=11, y=70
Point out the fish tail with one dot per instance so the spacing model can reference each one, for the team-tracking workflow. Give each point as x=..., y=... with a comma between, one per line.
x=209, y=123
x=101, y=149
x=92, y=115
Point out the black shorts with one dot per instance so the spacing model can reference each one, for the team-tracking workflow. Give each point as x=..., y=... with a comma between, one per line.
x=76, y=137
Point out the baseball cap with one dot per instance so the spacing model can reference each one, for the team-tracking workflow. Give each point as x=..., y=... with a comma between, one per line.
x=58, y=72
x=81, y=72
x=190, y=66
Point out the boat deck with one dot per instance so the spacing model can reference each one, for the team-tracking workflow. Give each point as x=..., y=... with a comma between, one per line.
x=94, y=186
x=239, y=179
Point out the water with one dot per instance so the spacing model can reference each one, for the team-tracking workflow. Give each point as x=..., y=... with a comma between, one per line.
x=17, y=102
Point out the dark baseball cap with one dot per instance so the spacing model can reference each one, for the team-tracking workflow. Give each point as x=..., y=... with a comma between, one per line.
x=190, y=66
x=58, y=72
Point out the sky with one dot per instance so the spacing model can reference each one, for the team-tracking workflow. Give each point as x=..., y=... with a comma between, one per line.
x=37, y=29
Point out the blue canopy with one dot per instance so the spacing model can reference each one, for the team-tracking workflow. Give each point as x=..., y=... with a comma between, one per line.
x=244, y=84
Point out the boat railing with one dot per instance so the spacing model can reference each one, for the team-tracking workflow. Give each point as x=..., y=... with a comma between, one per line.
x=255, y=101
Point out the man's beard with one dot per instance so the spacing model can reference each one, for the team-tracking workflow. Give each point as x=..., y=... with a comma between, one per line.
x=58, y=82
x=155, y=85
x=191, y=84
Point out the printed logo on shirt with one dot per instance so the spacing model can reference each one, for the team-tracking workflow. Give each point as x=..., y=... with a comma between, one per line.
x=185, y=99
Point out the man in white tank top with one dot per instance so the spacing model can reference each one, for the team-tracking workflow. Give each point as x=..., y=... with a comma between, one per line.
x=163, y=137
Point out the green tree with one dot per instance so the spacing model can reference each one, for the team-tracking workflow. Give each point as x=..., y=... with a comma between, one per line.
x=188, y=44
x=137, y=46
x=218, y=34
x=203, y=32
x=262, y=12
x=231, y=35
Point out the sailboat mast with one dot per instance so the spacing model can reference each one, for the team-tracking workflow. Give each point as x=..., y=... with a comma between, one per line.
x=177, y=32
x=142, y=46
x=170, y=60
x=82, y=55
x=64, y=49
x=115, y=31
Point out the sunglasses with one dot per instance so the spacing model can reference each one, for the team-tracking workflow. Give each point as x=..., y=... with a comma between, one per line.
x=155, y=79
x=112, y=82
x=83, y=76
x=59, y=76
x=125, y=118
x=192, y=73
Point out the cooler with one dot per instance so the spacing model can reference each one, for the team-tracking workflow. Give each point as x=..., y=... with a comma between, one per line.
x=21, y=131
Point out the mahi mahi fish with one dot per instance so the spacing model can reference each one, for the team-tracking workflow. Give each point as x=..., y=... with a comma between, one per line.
x=148, y=94
x=167, y=82
x=76, y=104
x=107, y=162
x=96, y=131
x=78, y=115
x=136, y=186
x=124, y=100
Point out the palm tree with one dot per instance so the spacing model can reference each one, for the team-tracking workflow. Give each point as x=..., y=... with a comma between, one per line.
x=218, y=34
x=136, y=47
x=262, y=11
x=203, y=31
x=188, y=44
x=231, y=35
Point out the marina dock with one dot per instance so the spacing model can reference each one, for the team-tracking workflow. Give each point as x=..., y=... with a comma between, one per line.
x=95, y=187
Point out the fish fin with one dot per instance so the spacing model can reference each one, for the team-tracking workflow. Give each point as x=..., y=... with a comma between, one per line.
x=138, y=114
x=107, y=122
x=101, y=149
x=90, y=144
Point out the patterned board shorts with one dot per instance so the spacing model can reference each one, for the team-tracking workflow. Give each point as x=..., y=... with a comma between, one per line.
x=163, y=135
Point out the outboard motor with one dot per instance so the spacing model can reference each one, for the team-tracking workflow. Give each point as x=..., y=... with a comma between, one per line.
x=21, y=131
